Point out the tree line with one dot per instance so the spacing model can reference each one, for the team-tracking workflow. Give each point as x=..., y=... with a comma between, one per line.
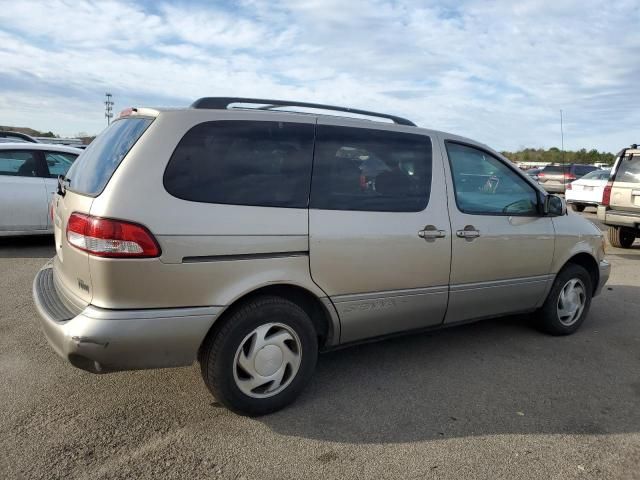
x=555, y=155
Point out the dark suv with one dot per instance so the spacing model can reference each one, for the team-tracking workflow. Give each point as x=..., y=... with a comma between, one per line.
x=555, y=178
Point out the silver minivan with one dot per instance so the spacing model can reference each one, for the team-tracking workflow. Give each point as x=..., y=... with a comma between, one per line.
x=250, y=236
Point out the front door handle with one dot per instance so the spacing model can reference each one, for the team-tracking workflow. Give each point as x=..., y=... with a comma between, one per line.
x=468, y=232
x=430, y=232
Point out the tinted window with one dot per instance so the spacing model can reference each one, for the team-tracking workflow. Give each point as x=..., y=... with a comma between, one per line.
x=485, y=185
x=552, y=169
x=59, y=163
x=371, y=170
x=581, y=170
x=629, y=169
x=243, y=163
x=19, y=163
x=93, y=169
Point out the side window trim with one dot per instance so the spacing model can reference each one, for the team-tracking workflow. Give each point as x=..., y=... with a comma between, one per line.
x=41, y=162
x=513, y=168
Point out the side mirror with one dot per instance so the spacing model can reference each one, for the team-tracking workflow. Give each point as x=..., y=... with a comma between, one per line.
x=555, y=206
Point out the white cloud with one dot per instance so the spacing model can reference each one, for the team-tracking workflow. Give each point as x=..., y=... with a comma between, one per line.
x=496, y=71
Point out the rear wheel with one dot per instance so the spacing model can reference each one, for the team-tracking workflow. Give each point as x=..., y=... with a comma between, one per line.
x=578, y=207
x=568, y=302
x=262, y=356
x=621, y=237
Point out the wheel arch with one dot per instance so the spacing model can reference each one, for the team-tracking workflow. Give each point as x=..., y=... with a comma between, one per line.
x=589, y=263
x=320, y=310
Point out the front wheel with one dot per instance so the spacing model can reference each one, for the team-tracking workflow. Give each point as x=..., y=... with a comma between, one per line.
x=261, y=357
x=568, y=302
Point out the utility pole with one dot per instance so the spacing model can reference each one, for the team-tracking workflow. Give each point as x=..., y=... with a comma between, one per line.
x=108, y=107
x=561, y=137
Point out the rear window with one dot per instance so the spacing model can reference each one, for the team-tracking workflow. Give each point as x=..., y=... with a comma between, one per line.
x=92, y=170
x=597, y=175
x=629, y=169
x=584, y=169
x=554, y=169
x=257, y=163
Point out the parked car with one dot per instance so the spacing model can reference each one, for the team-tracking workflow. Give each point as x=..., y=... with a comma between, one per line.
x=533, y=172
x=620, y=206
x=587, y=192
x=250, y=239
x=555, y=178
x=7, y=136
x=28, y=179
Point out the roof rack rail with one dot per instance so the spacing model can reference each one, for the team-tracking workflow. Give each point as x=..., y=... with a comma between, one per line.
x=222, y=103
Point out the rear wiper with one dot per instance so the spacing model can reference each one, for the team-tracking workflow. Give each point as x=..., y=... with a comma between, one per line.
x=63, y=183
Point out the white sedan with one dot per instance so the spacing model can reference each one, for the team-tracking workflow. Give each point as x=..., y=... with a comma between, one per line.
x=28, y=179
x=587, y=191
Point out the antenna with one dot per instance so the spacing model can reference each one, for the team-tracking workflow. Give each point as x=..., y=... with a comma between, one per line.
x=108, y=107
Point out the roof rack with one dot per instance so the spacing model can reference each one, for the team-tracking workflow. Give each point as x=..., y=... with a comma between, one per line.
x=222, y=103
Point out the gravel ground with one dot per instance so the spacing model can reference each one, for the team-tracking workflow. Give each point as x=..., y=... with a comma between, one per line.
x=494, y=399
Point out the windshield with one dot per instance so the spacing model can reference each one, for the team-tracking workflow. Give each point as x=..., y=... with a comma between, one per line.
x=95, y=166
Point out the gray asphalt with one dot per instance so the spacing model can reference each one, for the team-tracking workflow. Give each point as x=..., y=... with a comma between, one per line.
x=495, y=399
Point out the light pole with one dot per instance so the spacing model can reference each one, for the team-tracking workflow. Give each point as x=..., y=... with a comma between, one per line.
x=108, y=108
x=561, y=137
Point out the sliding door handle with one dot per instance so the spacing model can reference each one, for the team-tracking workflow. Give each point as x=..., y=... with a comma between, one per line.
x=430, y=232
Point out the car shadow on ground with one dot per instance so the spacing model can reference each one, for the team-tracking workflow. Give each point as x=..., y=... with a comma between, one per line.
x=35, y=246
x=493, y=377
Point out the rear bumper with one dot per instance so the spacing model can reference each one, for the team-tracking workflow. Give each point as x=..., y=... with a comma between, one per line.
x=582, y=202
x=101, y=340
x=618, y=218
x=605, y=271
x=554, y=187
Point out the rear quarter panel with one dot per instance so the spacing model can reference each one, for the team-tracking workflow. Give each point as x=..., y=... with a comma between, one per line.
x=193, y=229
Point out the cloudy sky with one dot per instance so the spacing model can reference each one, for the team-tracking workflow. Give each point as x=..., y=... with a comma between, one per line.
x=498, y=72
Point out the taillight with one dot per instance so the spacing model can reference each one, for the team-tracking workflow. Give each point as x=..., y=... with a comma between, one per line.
x=569, y=187
x=606, y=194
x=105, y=237
x=569, y=176
x=541, y=174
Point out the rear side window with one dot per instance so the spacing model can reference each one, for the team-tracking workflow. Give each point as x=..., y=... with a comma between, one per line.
x=629, y=169
x=254, y=163
x=95, y=166
x=19, y=163
x=59, y=163
x=370, y=170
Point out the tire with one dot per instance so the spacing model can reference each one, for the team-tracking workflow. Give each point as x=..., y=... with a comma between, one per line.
x=289, y=352
x=621, y=237
x=578, y=207
x=554, y=317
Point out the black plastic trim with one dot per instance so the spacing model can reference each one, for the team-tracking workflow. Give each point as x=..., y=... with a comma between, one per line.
x=48, y=298
x=243, y=256
x=222, y=103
